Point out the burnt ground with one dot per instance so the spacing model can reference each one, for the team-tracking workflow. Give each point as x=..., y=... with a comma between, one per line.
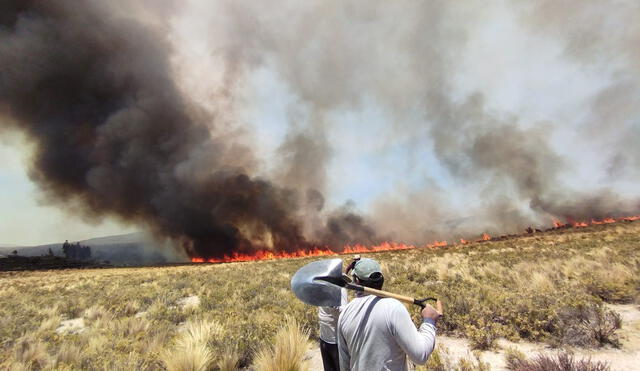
x=24, y=263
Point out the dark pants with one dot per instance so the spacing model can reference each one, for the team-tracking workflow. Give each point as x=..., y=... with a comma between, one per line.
x=329, y=356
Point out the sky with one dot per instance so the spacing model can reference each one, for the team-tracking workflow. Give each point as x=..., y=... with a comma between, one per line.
x=529, y=68
x=26, y=219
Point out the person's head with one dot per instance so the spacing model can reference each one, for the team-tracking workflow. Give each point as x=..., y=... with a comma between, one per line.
x=367, y=272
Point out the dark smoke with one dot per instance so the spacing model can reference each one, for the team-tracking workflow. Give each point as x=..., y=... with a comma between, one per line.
x=94, y=91
x=347, y=226
x=97, y=89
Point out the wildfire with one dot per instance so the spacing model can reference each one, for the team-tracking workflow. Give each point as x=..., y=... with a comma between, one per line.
x=265, y=255
x=348, y=249
x=582, y=224
x=606, y=220
x=385, y=246
x=437, y=244
x=484, y=237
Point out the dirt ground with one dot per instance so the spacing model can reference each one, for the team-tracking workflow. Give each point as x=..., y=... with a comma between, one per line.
x=626, y=357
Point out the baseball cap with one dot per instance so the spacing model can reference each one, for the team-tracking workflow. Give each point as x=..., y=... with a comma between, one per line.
x=365, y=267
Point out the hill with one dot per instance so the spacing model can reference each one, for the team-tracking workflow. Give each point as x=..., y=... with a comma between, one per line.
x=568, y=290
x=125, y=249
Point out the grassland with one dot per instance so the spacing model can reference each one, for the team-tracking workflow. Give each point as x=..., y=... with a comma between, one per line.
x=550, y=287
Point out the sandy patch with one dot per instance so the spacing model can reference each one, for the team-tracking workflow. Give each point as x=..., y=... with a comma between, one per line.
x=141, y=314
x=628, y=312
x=189, y=302
x=314, y=358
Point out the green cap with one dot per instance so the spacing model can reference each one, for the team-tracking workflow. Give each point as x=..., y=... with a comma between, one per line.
x=365, y=267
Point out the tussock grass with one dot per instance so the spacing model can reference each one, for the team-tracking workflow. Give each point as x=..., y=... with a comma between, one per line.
x=287, y=353
x=30, y=353
x=191, y=351
x=68, y=355
x=228, y=359
x=190, y=357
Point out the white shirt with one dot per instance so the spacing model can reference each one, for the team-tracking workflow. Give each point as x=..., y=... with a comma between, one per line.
x=328, y=319
x=378, y=334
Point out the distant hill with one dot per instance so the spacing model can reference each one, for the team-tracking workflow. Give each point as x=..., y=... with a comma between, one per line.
x=125, y=249
x=45, y=262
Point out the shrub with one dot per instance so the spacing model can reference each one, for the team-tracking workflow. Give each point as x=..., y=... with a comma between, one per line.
x=483, y=337
x=561, y=362
x=514, y=358
x=439, y=360
x=589, y=325
x=611, y=291
x=472, y=364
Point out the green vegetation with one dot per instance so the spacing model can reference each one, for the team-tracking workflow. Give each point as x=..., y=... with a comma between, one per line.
x=546, y=287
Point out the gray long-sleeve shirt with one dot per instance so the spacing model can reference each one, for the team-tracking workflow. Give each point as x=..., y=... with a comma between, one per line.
x=378, y=334
x=328, y=319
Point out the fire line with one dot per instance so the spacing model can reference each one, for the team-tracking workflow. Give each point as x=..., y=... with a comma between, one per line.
x=386, y=246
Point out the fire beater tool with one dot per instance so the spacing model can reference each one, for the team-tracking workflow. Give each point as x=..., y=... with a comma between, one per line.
x=318, y=283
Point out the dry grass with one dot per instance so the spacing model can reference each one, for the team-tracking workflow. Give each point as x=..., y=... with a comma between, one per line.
x=561, y=362
x=191, y=351
x=543, y=288
x=30, y=353
x=287, y=352
x=441, y=360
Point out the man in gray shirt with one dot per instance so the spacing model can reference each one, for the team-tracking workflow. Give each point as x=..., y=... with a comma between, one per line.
x=377, y=333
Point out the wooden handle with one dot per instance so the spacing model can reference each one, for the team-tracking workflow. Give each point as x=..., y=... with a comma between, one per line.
x=386, y=294
x=439, y=307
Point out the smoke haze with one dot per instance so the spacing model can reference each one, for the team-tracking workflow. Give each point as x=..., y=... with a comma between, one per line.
x=230, y=126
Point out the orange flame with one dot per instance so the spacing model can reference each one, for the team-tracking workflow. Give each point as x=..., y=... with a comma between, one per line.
x=437, y=243
x=348, y=249
x=265, y=255
x=606, y=220
x=385, y=246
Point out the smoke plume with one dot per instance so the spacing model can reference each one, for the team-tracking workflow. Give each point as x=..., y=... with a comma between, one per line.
x=94, y=91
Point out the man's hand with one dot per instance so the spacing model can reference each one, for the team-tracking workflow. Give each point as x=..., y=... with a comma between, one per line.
x=352, y=265
x=431, y=313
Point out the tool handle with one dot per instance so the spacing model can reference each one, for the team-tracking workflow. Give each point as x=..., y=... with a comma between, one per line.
x=406, y=299
x=386, y=294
